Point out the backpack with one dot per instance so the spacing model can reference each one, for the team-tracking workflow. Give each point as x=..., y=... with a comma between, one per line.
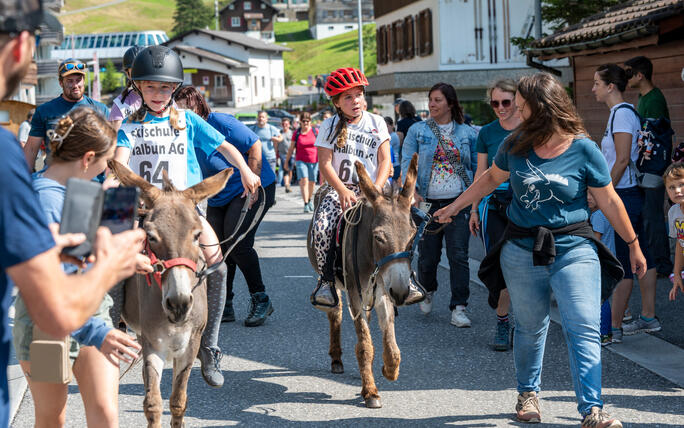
x=655, y=144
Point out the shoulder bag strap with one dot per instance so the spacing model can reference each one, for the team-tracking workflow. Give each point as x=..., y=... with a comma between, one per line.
x=455, y=163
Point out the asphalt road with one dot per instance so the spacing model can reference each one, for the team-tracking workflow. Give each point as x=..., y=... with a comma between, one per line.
x=278, y=374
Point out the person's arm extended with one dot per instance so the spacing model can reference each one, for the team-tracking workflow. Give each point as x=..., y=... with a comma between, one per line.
x=60, y=303
x=678, y=266
x=623, y=148
x=254, y=157
x=31, y=150
x=384, y=165
x=484, y=185
x=482, y=159
x=250, y=181
x=612, y=207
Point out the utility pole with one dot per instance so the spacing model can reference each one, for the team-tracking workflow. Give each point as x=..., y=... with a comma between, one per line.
x=216, y=17
x=358, y=4
x=537, y=20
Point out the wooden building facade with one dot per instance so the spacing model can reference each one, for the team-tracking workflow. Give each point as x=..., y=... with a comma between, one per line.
x=650, y=28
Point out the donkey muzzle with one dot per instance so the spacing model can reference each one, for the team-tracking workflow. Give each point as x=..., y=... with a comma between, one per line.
x=177, y=296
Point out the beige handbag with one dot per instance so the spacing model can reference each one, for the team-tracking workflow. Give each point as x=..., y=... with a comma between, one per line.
x=49, y=358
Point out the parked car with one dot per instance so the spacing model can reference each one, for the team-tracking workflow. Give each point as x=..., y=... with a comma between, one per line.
x=280, y=113
x=247, y=117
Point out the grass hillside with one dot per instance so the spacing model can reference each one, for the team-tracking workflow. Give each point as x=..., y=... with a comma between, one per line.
x=310, y=57
x=128, y=15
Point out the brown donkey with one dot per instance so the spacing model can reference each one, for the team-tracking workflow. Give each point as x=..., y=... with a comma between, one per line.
x=372, y=278
x=169, y=312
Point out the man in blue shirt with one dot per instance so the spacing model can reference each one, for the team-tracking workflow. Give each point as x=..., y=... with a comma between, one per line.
x=29, y=252
x=269, y=136
x=72, y=80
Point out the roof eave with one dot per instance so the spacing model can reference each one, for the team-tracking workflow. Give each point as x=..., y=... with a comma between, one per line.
x=573, y=49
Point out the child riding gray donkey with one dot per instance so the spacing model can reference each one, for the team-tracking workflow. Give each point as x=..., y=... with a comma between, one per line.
x=168, y=309
x=376, y=273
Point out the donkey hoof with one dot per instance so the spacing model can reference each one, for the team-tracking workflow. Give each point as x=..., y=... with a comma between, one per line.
x=373, y=402
x=337, y=367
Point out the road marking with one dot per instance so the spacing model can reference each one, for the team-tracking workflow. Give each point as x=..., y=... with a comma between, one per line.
x=298, y=276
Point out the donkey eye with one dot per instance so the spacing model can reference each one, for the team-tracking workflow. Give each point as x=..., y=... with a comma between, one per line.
x=196, y=236
x=379, y=238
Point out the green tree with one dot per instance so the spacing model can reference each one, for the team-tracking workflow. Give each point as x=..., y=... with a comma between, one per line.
x=191, y=14
x=560, y=13
x=111, y=80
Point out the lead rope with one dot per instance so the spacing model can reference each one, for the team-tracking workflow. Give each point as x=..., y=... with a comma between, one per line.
x=353, y=217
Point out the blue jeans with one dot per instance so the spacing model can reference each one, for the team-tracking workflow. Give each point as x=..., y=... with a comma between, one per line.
x=456, y=235
x=574, y=279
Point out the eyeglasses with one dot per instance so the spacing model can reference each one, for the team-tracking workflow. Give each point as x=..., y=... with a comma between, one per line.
x=70, y=66
x=504, y=103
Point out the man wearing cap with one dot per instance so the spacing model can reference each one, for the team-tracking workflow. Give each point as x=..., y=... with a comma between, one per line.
x=29, y=253
x=72, y=80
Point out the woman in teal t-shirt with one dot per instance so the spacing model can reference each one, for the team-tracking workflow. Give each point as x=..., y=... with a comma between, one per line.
x=552, y=166
x=492, y=212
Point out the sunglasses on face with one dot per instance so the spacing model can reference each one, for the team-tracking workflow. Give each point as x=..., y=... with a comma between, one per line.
x=70, y=66
x=504, y=103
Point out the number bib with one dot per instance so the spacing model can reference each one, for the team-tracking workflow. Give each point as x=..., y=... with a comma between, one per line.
x=157, y=147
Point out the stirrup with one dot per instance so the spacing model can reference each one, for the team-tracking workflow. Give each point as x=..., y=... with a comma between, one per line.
x=324, y=306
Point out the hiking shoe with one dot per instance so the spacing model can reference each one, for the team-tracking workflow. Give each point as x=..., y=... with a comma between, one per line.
x=527, y=408
x=306, y=207
x=324, y=296
x=210, y=358
x=503, y=333
x=627, y=316
x=228, y=312
x=606, y=339
x=459, y=318
x=640, y=325
x=426, y=304
x=311, y=207
x=617, y=335
x=259, y=309
x=600, y=419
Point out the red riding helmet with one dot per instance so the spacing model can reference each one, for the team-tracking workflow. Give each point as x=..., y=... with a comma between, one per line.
x=342, y=79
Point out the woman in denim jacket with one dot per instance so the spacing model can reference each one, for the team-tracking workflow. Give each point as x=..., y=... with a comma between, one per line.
x=442, y=177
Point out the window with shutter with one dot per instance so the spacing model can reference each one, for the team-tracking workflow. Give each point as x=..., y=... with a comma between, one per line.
x=424, y=23
x=380, y=45
x=389, y=33
x=408, y=38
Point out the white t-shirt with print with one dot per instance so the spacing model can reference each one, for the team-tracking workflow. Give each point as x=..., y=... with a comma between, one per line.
x=625, y=121
x=675, y=221
x=363, y=142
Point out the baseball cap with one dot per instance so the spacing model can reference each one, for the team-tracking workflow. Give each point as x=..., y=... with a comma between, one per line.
x=23, y=15
x=398, y=101
x=71, y=66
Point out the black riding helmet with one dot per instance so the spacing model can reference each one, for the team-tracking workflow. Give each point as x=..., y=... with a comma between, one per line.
x=159, y=64
x=130, y=55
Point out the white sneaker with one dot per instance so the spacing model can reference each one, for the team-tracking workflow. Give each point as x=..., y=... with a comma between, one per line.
x=426, y=304
x=459, y=318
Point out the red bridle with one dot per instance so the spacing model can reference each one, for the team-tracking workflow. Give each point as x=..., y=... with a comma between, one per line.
x=160, y=266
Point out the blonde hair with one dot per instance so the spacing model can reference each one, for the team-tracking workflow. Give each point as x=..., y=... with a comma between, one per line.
x=82, y=130
x=341, y=129
x=674, y=171
x=506, y=85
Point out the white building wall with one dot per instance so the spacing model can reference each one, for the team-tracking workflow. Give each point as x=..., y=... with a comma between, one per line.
x=321, y=31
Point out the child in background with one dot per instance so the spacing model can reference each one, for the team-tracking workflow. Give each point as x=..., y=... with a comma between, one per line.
x=674, y=184
x=604, y=232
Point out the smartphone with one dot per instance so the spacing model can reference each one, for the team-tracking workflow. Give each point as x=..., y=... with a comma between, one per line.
x=120, y=208
x=81, y=213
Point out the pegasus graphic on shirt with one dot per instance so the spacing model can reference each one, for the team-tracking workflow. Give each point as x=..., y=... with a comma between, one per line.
x=538, y=186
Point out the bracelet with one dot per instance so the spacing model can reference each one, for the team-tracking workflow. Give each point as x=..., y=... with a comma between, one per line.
x=633, y=240
x=474, y=212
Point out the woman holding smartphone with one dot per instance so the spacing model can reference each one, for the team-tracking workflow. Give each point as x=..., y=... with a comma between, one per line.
x=81, y=145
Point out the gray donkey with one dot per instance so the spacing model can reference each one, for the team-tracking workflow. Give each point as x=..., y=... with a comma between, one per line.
x=168, y=310
x=377, y=275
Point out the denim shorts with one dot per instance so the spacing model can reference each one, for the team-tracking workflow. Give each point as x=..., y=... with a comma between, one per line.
x=633, y=199
x=22, y=332
x=308, y=170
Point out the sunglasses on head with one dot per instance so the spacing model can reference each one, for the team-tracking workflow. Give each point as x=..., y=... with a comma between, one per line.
x=70, y=66
x=504, y=103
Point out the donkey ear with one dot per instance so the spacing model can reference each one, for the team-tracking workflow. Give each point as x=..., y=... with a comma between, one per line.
x=410, y=184
x=149, y=193
x=208, y=187
x=167, y=183
x=367, y=187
